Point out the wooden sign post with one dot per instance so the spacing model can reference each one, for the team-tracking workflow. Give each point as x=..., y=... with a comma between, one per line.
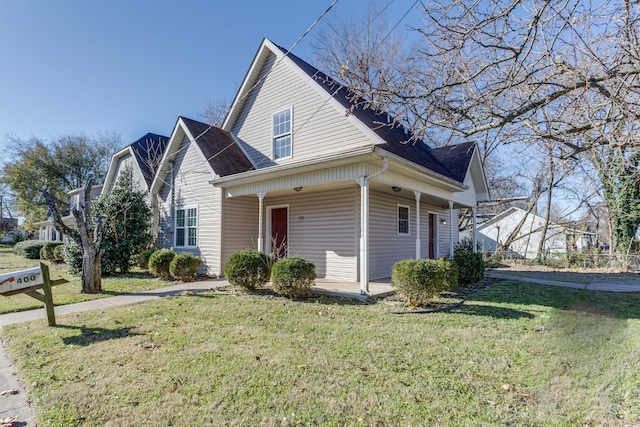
x=29, y=282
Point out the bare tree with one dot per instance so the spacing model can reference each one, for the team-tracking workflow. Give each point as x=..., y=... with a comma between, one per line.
x=215, y=112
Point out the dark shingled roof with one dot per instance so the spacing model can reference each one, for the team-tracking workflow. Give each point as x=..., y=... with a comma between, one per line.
x=451, y=161
x=148, y=151
x=219, y=148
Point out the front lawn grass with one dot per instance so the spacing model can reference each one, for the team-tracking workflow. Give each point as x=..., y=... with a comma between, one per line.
x=69, y=293
x=514, y=354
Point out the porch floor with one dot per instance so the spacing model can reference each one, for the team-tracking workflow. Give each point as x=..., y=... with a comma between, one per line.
x=378, y=288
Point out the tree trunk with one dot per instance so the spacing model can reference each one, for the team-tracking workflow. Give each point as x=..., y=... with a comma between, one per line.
x=547, y=213
x=91, y=271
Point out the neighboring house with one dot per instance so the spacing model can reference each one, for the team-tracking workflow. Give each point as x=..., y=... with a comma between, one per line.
x=299, y=168
x=559, y=239
x=142, y=156
x=8, y=224
x=46, y=229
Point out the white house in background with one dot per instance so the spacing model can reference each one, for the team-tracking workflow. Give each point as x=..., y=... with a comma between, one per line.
x=142, y=156
x=301, y=167
x=559, y=239
x=46, y=229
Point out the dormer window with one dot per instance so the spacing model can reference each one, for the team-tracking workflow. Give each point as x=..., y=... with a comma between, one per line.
x=282, y=134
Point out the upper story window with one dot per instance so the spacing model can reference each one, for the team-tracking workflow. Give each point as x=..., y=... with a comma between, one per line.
x=403, y=219
x=282, y=134
x=186, y=227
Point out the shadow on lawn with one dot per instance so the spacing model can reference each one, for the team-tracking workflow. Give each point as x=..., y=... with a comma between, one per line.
x=609, y=304
x=89, y=336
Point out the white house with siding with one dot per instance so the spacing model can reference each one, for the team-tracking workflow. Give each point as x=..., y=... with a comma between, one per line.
x=301, y=168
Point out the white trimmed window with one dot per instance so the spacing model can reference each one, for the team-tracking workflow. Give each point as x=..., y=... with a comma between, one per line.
x=282, y=134
x=403, y=220
x=187, y=227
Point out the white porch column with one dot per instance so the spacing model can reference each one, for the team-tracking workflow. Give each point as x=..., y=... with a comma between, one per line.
x=417, y=194
x=450, y=229
x=475, y=223
x=364, y=235
x=261, y=195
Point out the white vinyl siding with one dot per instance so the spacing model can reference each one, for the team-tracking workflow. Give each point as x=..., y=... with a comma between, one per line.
x=129, y=161
x=323, y=229
x=240, y=220
x=192, y=188
x=317, y=126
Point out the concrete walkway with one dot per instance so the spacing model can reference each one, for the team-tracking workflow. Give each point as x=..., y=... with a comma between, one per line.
x=605, y=286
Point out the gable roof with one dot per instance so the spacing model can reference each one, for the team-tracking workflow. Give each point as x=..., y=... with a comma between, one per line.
x=219, y=148
x=394, y=138
x=147, y=152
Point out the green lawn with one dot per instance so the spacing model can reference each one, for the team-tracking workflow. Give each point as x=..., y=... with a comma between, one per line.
x=69, y=293
x=514, y=354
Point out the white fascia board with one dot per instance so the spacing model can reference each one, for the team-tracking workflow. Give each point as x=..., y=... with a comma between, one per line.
x=156, y=184
x=290, y=168
x=112, y=166
x=247, y=84
x=192, y=140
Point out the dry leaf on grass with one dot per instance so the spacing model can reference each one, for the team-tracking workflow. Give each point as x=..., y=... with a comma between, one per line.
x=9, y=392
x=8, y=422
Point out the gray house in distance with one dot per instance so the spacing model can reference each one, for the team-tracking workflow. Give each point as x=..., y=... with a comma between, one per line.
x=299, y=167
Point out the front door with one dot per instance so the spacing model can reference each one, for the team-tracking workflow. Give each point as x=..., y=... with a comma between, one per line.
x=279, y=230
x=432, y=236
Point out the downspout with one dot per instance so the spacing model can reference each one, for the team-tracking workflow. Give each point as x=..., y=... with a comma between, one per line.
x=364, y=227
x=173, y=205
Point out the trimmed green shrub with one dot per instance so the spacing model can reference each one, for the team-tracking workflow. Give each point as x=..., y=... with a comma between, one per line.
x=58, y=254
x=184, y=266
x=160, y=262
x=248, y=268
x=419, y=280
x=72, y=256
x=142, y=258
x=29, y=248
x=46, y=252
x=293, y=276
x=470, y=264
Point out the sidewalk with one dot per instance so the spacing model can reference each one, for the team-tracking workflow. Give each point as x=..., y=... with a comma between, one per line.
x=17, y=405
x=610, y=286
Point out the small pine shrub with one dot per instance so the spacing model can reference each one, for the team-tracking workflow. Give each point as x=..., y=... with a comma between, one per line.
x=293, y=276
x=184, y=266
x=470, y=264
x=248, y=268
x=72, y=256
x=419, y=280
x=160, y=262
x=47, y=250
x=29, y=248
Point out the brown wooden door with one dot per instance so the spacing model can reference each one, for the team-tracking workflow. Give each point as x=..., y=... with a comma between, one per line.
x=432, y=236
x=279, y=229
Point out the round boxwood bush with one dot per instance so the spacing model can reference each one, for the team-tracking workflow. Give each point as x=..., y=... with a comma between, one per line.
x=47, y=250
x=184, y=266
x=470, y=264
x=160, y=262
x=293, y=276
x=248, y=268
x=58, y=253
x=29, y=248
x=419, y=280
x=142, y=259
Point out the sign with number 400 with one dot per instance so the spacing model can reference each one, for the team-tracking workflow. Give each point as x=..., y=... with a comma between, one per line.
x=20, y=279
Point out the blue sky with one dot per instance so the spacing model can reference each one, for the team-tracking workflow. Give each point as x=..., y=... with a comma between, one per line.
x=133, y=67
